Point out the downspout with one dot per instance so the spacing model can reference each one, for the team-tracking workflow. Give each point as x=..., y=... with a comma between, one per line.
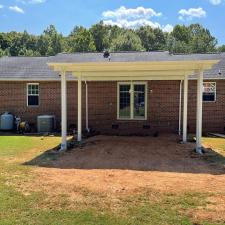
x=180, y=108
x=87, y=119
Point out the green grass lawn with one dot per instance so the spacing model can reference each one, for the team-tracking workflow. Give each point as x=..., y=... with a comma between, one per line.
x=147, y=207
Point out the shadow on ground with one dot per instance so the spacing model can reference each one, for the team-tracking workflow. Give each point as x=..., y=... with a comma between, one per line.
x=163, y=153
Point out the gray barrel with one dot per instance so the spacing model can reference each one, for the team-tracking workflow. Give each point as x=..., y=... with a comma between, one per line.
x=6, y=121
x=46, y=124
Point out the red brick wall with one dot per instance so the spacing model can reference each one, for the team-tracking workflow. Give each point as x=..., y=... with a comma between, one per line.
x=163, y=106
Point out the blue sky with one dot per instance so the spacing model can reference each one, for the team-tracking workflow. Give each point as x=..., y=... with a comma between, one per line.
x=36, y=15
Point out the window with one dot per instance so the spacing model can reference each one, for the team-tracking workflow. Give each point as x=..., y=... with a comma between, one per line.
x=209, y=91
x=32, y=94
x=132, y=100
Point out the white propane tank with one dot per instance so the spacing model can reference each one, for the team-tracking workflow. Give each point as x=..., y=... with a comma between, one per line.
x=6, y=121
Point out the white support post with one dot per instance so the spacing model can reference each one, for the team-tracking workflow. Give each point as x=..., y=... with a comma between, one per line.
x=63, y=112
x=185, y=108
x=180, y=108
x=87, y=123
x=199, y=113
x=79, y=108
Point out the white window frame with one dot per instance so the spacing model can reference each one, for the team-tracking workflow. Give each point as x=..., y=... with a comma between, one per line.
x=28, y=84
x=132, y=100
x=208, y=82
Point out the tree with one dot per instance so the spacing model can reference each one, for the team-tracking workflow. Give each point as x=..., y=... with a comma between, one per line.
x=81, y=40
x=55, y=40
x=191, y=39
x=127, y=41
x=100, y=34
x=221, y=48
x=147, y=36
x=201, y=39
x=104, y=34
x=152, y=39
x=183, y=39
x=43, y=43
x=181, y=33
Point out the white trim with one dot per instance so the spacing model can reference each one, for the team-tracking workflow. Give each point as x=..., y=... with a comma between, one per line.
x=27, y=95
x=132, y=83
x=210, y=82
x=75, y=80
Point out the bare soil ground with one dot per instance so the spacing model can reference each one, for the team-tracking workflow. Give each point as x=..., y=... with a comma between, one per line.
x=125, y=165
x=107, y=163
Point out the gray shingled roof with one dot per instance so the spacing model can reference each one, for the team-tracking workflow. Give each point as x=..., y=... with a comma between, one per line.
x=35, y=68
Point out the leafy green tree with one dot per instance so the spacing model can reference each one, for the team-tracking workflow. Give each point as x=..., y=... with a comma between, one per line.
x=104, y=34
x=191, y=39
x=181, y=33
x=221, y=48
x=100, y=34
x=147, y=36
x=55, y=40
x=5, y=41
x=43, y=43
x=160, y=39
x=201, y=39
x=127, y=41
x=81, y=40
x=3, y=53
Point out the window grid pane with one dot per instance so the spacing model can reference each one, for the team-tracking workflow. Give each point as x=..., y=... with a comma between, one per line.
x=33, y=90
x=124, y=101
x=33, y=95
x=209, y=91
x=139, y=101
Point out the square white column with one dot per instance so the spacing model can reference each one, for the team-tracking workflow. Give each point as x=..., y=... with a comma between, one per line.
x=185, y=109
x=199, y=113
x=79, y=109
x=63, y=112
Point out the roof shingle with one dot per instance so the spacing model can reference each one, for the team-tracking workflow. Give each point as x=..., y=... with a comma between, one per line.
x=36, y=68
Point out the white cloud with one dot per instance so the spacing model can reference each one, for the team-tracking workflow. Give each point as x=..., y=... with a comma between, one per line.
x=168, y=28
x=133, y=18
x=136, y=13
x=1, y=6
x=16, y=9
x=132, y=23
x=215, y=2
x=31, y=1
x=191, y=13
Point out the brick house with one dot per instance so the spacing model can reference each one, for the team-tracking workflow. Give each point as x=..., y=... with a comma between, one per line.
x=128, y=93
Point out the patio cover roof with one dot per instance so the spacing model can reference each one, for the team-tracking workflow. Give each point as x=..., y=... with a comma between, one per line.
x=153, y=70
x=133, y=70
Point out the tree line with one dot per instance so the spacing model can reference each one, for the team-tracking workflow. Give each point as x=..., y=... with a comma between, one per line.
x=99, y=37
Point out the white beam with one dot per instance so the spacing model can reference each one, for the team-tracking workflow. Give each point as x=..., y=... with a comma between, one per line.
x=79, y=108
x=185, y=109
x=63, y=112
x=199, y=113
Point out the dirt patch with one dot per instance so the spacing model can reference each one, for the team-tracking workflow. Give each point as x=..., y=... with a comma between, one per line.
x=111, y=167
x=115, y=164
